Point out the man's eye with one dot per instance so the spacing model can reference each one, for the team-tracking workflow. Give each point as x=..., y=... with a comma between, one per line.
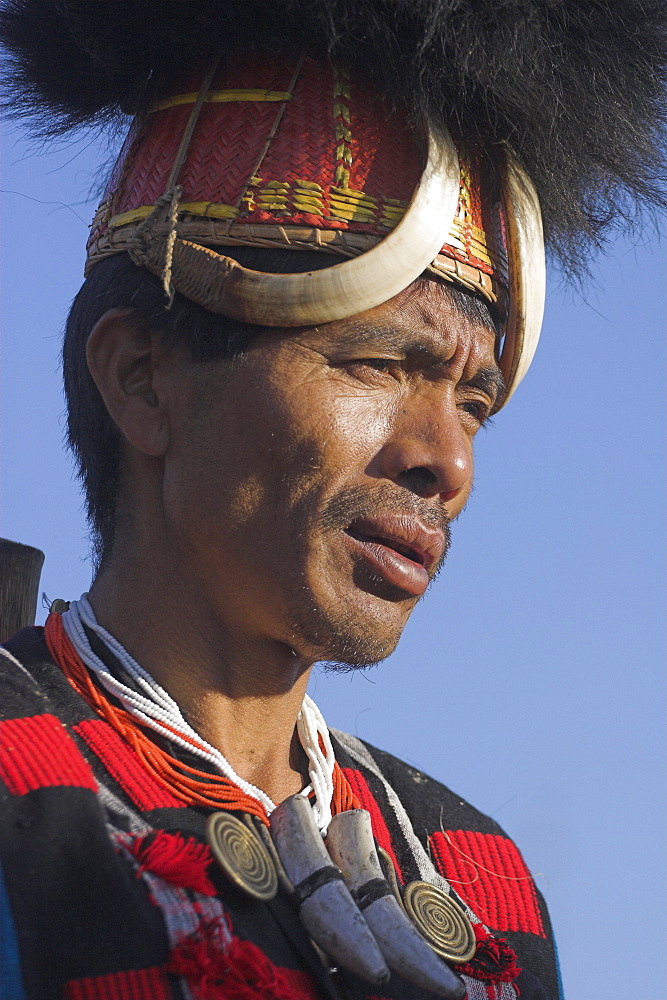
x=378, y=364
x=477, y=409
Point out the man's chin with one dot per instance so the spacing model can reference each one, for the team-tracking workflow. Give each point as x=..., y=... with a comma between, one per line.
x=348, y=642
x=339, y=666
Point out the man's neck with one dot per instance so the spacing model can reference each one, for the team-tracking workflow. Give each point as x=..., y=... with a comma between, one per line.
x=240, y=692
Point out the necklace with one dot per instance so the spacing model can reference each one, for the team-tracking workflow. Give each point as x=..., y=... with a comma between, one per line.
x=344, y=900
x=149, y=706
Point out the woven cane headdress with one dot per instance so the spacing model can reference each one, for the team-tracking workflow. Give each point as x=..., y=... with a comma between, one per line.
x=400, y=136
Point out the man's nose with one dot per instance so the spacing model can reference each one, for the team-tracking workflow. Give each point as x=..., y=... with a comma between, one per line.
x=429, y=452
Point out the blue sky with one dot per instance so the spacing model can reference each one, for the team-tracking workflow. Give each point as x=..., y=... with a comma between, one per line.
x=531, y=677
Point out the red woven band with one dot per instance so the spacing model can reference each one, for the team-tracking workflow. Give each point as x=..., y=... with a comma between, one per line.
x=294, y=153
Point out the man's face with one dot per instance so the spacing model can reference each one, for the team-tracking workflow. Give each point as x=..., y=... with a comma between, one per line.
x=309, y=484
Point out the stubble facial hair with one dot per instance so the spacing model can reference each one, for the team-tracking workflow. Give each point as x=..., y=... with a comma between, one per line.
x=342, y=647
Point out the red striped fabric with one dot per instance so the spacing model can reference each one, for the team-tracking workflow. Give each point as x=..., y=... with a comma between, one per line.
x=488, y=872
x=135, y=984
x=380, y=828
x=38, y=752
x=123, y=765
x=153, y=984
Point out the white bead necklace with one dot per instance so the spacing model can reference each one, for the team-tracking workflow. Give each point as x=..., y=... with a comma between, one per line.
x=157, y=709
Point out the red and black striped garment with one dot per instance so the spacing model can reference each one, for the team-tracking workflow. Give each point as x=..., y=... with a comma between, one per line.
x=108, y=890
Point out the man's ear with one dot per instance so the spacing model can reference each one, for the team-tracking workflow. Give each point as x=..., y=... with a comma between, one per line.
x=130, y=367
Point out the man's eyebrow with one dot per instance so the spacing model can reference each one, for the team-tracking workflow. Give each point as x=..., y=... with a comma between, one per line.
x=489, y=380
x=385, y=336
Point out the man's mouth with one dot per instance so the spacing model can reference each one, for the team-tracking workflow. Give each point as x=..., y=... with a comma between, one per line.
x=400, y=548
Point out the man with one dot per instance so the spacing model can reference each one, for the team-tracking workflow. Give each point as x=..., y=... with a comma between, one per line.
x=270, y=473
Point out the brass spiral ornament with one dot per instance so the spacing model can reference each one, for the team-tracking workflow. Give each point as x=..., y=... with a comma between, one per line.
x=389, y=872
x=441, y=921
x=241, y=854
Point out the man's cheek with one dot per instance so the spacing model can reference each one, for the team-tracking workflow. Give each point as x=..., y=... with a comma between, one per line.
x=245, y=499
x=361, y=419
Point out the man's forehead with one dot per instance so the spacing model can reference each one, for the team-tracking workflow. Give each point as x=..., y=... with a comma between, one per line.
x=424, y=319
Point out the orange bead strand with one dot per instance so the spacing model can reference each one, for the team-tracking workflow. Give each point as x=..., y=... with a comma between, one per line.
x=190, y=785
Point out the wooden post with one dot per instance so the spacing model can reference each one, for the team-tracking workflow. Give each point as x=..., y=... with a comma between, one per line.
x=20, y=569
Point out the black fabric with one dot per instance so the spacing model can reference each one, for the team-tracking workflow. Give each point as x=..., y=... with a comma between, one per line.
x=432, y=806
x=79, y=910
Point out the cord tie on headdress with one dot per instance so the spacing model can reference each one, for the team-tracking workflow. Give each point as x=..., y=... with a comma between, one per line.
x=145, y=240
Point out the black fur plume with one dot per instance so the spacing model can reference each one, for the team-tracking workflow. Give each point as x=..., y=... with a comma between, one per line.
x=576, y=87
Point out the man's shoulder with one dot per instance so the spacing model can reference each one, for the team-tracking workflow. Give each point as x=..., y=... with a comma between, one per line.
x=30, y=682
x=429, y=831
x=20, y=660
x=26, y=647
x=430, y=804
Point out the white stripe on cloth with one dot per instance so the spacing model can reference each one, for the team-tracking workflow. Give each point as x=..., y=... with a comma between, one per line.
x=424, y=864
x=476, y=989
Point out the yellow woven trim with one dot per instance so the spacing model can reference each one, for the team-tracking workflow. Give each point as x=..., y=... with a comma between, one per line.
x=344, y=204
x=310, y=205
x=134, y=215
x=208, y=210
x=352, y=214
x=277, y=197
x=300, y=194
x=271, y=197
x=391, y=216
x=308, y=185
x=393, y=212
x=341, y=113
x=202, y=208
x=477, y=234
x=466, y=238
x=224, y=97
x=464, y=235
x=341, y=86
x=272, y=203
x=455, y=239
x=344, y=154
x=352, y=197
x=479, y=251
x=353, y=206
x=342, y=173
x=307, y=200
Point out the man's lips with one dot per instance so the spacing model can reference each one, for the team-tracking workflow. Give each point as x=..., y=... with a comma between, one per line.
x=401, y=548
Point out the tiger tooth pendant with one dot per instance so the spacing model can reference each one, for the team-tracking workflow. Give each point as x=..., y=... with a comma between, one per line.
x=351, y=847
x=326, y=908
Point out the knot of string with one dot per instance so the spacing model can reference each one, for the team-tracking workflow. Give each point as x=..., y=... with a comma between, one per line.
x=143, y=241
x=145, y=234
